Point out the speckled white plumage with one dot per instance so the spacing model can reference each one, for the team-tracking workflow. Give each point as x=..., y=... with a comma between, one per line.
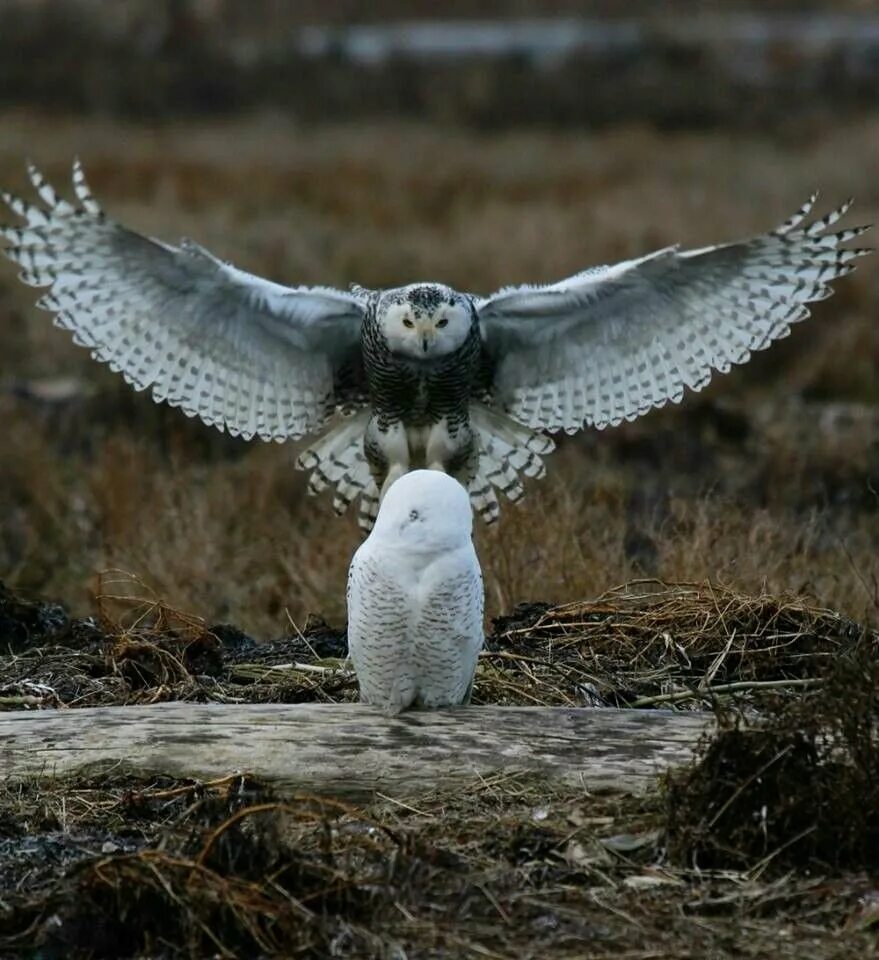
x=415, y=597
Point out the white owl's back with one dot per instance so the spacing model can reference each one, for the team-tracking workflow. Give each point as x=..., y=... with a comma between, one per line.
x=414, y=625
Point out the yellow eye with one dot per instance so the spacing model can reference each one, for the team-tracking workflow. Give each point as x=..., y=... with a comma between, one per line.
x=442, y=322
x=407, y=322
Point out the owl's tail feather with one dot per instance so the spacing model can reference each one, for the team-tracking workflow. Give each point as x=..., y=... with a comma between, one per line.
x=337, y=460
x=507, y=450
x=368, y=507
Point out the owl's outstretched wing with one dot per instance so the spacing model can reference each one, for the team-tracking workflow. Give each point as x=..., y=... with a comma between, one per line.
x=242, y=353
x=611, y=343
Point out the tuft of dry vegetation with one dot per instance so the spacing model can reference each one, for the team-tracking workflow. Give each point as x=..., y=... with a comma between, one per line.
x=647, y=644
x=795, y=787
x=652, y=644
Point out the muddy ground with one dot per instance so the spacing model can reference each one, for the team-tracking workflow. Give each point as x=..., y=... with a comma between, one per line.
x=767, y=846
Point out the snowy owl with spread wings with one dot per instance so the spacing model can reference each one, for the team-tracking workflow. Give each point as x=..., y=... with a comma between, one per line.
x=421, y=375
x=415, y=597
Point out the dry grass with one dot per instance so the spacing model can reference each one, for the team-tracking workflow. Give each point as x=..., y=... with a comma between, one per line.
x=647, y=644
x=507, y=869
x=511, y=867
x=767, y=483
x=795, y=787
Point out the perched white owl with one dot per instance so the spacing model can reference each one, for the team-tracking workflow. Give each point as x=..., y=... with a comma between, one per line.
x=415, y=597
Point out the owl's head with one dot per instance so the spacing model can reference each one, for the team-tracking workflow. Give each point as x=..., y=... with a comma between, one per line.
x=427, y=509
x=424, y=320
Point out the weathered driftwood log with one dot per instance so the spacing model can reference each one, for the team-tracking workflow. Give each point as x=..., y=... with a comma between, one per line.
x=349, y=749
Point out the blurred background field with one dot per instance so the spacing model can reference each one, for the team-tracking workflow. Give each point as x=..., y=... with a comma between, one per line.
x=507, y=142
x=301, y=149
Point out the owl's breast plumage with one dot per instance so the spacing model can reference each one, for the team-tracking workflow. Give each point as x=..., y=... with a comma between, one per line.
x=420, y=392
x=414, y=633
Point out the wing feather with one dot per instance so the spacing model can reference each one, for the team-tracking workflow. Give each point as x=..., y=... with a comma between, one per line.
x=242, y=353
x=611, y=343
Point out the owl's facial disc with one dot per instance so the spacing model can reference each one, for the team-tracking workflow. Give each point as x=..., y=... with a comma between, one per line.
x=424, y=321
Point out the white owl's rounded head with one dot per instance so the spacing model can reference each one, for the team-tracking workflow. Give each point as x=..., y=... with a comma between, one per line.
x=424, y=320
x=427, y=509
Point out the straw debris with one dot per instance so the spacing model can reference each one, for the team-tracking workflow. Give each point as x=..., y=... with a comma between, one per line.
x=771, y=835
x=645, y=644
x=120, y=868
x=650, y=643
x=796, y=786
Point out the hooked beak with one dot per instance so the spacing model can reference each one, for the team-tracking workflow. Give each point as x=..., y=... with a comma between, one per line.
x=424, y=344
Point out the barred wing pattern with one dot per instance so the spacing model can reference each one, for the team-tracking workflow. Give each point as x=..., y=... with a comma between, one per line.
x=242, y=353
x=611, y=343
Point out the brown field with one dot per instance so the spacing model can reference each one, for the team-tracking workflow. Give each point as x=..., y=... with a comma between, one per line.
x=767, y=480
x=767, y=484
